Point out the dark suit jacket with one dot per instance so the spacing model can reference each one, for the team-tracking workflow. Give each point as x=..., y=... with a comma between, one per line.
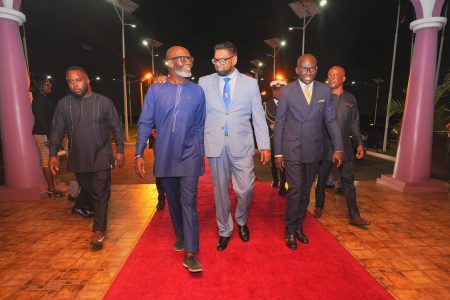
x=348, y=118
x=299, y=126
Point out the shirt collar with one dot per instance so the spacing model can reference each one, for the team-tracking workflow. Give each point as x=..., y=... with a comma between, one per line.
x=302, y=84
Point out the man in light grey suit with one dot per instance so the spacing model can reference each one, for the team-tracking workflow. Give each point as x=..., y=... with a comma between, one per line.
x=305, y=105
x=232, y=101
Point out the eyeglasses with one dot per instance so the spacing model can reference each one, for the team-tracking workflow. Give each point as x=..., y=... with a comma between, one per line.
x=311, y=70
x=221, y=61
x=183, y=58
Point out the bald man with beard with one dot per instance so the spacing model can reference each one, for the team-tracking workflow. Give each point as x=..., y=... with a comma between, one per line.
x=176, y=109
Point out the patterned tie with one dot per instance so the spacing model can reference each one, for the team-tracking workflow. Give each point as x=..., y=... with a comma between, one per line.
x=308, y=93
x=227, y=92
x=226, y=99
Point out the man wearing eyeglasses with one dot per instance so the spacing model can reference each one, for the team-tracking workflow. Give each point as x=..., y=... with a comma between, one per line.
x=305, y=106
x=176, y=109
x=348, y=117
x=232, y=101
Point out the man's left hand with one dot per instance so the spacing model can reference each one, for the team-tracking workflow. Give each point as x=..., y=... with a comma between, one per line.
x=120, y=160
x=265, y=156
x=337, y=158
x=359, y=152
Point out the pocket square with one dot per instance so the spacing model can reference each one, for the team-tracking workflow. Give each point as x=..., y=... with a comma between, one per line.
x=323, y=100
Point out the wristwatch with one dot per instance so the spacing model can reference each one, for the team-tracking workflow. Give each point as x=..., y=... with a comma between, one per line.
x=138, y=155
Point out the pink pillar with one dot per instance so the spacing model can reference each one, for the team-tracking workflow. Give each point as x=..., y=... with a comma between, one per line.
x=23, y=174
x=413, y=164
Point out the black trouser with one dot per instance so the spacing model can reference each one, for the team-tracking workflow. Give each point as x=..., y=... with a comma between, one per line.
x=273, y=168
x=300, y=177
x=98, y=186
x=83, y=201
x=347, y=178
x=160, y=189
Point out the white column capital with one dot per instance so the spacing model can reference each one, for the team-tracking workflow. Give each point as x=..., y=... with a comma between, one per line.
x=432, y=22
x=12, y=14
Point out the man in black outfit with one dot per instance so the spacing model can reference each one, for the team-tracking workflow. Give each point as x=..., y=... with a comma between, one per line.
x=270, y=108
x=88, y=118
x=348, y=119
x=159, y=185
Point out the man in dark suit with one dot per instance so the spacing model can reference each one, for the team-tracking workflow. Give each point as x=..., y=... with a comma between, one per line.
x=348, y=118
x=305, y=106
x=270, y=108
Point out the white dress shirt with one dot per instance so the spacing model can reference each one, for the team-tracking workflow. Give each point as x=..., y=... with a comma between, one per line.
x=232, y=82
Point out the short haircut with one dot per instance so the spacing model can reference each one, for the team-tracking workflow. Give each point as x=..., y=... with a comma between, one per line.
x=37, y=84
x=228, y=46
x=76, y=68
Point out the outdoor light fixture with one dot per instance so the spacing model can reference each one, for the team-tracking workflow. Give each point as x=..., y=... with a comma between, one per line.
x=49, y=77
x=151, y=45
x=306, y=10
x=276, y=44
x=97, y=78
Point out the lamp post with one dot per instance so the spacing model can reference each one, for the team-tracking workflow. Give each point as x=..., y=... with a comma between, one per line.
x=258, y=65
x=130, y=8
x=276, y=44
x=305, y=9
x=377, y=81
x=151, y=44
x=148, y=77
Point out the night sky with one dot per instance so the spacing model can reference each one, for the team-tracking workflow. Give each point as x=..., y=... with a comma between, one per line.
x=356, y=34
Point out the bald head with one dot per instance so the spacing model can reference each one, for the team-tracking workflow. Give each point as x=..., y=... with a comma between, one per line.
x=176, y=51
x=180, y=62
x=306, y=68
x=336, y=78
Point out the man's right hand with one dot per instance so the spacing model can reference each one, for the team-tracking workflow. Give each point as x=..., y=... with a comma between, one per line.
x=160, y=79
x=139, y=166
x=53, y=165
x=279, y=162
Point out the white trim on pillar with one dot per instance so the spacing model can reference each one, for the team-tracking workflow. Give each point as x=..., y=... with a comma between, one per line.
x=433, y=22
x=11, y=14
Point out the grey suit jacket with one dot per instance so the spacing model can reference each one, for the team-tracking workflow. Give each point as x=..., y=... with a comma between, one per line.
x=245, y=105
x=299, y=126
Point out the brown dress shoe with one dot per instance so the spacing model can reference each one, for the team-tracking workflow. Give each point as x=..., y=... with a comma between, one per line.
x=97, y=240
x=318, y=212
x=358, y=221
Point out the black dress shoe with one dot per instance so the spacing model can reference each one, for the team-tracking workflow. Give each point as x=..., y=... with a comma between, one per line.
x=89, y=209
x=80, y=211
x=301, y=236
x=291, y=243
x=274, y=184
x=244, y=233
x=223, y=243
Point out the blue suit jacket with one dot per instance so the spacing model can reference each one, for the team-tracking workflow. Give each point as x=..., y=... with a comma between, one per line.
x=179, y=123
x=245, y=104
x=299, y=126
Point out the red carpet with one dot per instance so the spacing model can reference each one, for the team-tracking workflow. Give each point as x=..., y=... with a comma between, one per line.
x=264, y=268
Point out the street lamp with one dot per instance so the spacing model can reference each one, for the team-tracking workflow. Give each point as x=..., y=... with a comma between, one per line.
x=258, y=65
x=377, y=81
x=148, y=77
x=276, y=44
x=151, y=44
x=305, y=9
x=128, y=6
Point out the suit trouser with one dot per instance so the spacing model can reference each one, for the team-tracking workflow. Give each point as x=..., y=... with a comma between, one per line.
x=97, y=186
x=243, y=179
x=83, y=200
x=347, y=178
x=160, y=189
x=273, y=168
x=300, y=177
x=182, y=199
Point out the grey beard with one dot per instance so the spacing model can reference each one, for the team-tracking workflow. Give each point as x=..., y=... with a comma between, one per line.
x=183, y=74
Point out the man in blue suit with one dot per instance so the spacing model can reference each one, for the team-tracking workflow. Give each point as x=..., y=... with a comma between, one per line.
x=305, y=105
x=177, y=110
x=232, y=101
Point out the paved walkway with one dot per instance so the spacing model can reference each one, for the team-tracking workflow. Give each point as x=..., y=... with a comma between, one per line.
x=44, y=249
